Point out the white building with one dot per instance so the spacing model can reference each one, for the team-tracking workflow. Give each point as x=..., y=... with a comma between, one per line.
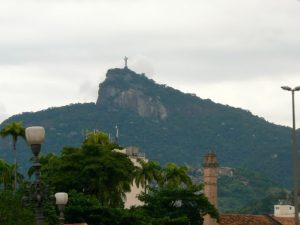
x=131, y=197
x=283, y=210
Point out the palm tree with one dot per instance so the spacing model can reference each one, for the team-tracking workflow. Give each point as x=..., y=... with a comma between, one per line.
x=147, y=172
x=14, y=129
x=174, y=176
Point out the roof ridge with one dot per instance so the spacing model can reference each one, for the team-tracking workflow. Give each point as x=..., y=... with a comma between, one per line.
x=272, y=219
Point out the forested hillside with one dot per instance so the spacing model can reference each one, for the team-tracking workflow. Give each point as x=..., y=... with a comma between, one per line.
x=167, y=125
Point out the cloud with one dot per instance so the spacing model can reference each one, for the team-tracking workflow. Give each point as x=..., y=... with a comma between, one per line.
x=209, y=40
x=57, y=52
x=3, y=113
x=88, y=91
x=142, y=64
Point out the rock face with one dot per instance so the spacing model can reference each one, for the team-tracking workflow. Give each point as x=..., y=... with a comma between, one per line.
x=126, y=89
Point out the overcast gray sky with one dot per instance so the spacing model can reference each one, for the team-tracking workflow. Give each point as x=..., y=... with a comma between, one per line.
x=235, y=52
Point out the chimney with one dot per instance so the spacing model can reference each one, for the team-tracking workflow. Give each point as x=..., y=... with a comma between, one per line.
x=210, y=174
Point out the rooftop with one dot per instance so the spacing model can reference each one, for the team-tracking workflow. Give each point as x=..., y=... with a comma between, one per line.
x=239, y=219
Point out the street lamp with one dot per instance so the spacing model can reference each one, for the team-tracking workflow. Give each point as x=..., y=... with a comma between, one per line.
x=295, y=155
x=61, y=201
x=35, y=136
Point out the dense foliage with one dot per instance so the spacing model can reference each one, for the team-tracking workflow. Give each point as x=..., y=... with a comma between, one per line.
x=97, y=179
x=94, y=169
x=163, y=206
x=244, y=189
x=97, y=176
x=148, y=173
x=186, y=204
x=12, y=212
x=266, y=204
x=6, y=178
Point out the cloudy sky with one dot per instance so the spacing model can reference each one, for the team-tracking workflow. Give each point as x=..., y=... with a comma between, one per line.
x=235, y=52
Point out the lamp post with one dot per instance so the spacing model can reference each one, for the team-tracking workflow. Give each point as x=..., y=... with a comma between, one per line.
x=295, y=155
x=35, y=136
x=61, y=201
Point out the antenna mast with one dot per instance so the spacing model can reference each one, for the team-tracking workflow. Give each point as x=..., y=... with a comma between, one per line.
x=117, y=135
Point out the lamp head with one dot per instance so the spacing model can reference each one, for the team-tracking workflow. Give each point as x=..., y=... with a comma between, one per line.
x=297, y=88
x=35, y=135
x=61, y=198
x=286, y=88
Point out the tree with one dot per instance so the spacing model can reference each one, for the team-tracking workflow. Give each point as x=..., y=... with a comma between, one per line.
x=6, y=175
x=174, y=176
x=44, y=160
x=86, y=208
x=11, y=210
x=94, y=168
x=79, y=207
x=97, y=178
x=177, y=205
x=15, y=130
x=147, y=172
x=97, y=138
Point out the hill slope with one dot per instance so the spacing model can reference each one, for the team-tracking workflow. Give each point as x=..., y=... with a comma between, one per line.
x=168, y=125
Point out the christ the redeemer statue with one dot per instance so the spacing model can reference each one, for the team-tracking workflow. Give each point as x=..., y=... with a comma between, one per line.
x=126, y=59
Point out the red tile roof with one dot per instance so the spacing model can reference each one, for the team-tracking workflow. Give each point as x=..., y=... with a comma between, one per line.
x=245, y=219
x=285, y=221
x=76, y=224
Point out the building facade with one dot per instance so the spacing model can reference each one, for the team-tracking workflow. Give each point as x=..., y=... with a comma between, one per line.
x=132, y=197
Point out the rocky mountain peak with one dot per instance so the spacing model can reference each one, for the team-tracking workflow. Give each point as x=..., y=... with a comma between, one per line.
x=127, y=89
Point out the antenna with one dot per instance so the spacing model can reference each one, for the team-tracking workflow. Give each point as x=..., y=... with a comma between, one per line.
x=117, y=135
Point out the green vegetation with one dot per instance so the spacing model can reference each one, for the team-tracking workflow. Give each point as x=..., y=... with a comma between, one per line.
x=93, y=168
x=174, y=176
x=245, y=192
x=12, y=211
x=167, y=203
x=148, y=172
x=6, y=171
x=193, y=127
x=97, y=178
x=266, y=204
x=15, y=130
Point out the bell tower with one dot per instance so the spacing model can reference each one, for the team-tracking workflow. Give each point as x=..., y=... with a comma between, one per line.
x=210, y=167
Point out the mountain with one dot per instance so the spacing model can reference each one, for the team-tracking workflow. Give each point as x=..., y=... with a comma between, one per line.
x=242, y=191
x=167, y=125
